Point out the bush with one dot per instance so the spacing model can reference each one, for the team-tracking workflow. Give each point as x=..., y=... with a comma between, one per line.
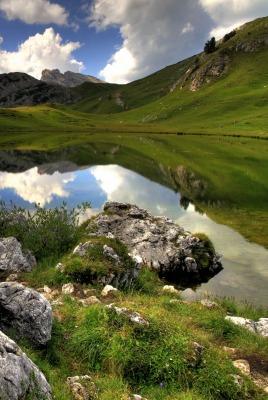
x=45, y=232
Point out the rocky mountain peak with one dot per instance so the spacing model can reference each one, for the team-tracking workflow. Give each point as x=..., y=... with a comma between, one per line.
x=67, y=79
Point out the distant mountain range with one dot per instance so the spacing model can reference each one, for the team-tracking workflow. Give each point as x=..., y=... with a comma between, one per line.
x=68, y=79
x=20, y=89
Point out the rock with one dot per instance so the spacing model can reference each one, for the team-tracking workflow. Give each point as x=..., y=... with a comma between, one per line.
x=238, y=380
x=161, y=244
x=108, y=289
x=47, y=289
x=12, y=259
x=60, y=267
x=19, y=376
x=208, y=303
x=26, y=311
x=136, y=397
x=133, y=316
x=243, y=366
x=90, y=300
x=170, y=289
x=81, y=249
x=247, y=323
x=68, y=288
x=198, y=349
x=12, y=278
x=188, y=295
x=230, y=350
x=260, y=327
x=82, y=387
x=111, y=254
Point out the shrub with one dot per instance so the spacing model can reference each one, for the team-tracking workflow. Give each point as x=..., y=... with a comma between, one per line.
x=44, y=231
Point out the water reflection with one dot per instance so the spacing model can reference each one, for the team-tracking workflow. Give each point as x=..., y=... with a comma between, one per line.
x=245, y=273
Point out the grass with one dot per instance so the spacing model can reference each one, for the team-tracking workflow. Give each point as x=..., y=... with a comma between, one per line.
x=158, y=360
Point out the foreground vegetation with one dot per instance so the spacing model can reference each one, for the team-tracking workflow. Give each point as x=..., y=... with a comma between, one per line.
x=179, y=354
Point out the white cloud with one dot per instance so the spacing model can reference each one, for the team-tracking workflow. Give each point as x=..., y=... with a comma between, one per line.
x=34, y=11
x=36, y=188
x=1, y=40
x=230, y=14
x=39, y=52
x=158, y=33
x=154, y=34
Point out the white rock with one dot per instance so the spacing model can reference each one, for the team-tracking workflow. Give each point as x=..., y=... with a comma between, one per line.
x=262, y=326
x=108, y=289
x=68, y=288
x=243, y=366
x=170, y=289
x=247, y=323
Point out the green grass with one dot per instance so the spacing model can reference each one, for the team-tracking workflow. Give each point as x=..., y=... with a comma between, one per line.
x=157, y=360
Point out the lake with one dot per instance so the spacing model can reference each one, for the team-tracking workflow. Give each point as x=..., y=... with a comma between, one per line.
x=244, y=275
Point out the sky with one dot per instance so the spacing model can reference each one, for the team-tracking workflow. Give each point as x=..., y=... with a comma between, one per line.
x=115, y=40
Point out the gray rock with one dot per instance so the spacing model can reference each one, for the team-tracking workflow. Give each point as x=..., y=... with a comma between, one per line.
x=81, y=249
x=247, y=323
x=12, y=259
x=260, y=327
x=133, y=316
x=19, y=376
x=111, y=254
x=26, y=311
x=161, y=244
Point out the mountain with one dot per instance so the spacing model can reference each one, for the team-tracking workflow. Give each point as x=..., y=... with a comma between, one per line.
x=240, y=58
x=20, y=89
x=212, y=90
x=68, y=79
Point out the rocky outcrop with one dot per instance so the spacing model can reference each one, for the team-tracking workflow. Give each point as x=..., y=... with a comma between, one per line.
x=161, y=244
x=18, y=89
x=68, y=79
x=26, y=312
x=260, y=327
x=19, y=376
x=12, y=259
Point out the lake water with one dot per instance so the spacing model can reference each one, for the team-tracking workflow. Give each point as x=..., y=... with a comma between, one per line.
x=245, y=273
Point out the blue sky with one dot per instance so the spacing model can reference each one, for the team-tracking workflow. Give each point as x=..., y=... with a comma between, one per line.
x=115, y=40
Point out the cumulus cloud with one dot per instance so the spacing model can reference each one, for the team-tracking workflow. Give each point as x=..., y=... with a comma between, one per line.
x=158, y=33
x=230, y=14
x=34, y=11
x=39, y=52
x=154, y=34
x=35, y=188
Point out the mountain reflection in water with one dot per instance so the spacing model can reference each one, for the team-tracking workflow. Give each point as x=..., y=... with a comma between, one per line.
x=245, y=273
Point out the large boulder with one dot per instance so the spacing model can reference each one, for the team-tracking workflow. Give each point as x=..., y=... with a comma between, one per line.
x=19, y=376
x=161, y=244
x=12, y=259
x=26, y=312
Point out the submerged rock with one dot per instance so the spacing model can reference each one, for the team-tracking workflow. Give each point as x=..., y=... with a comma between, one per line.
x=162, y=245
x=19, y=376
x=26, y=311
